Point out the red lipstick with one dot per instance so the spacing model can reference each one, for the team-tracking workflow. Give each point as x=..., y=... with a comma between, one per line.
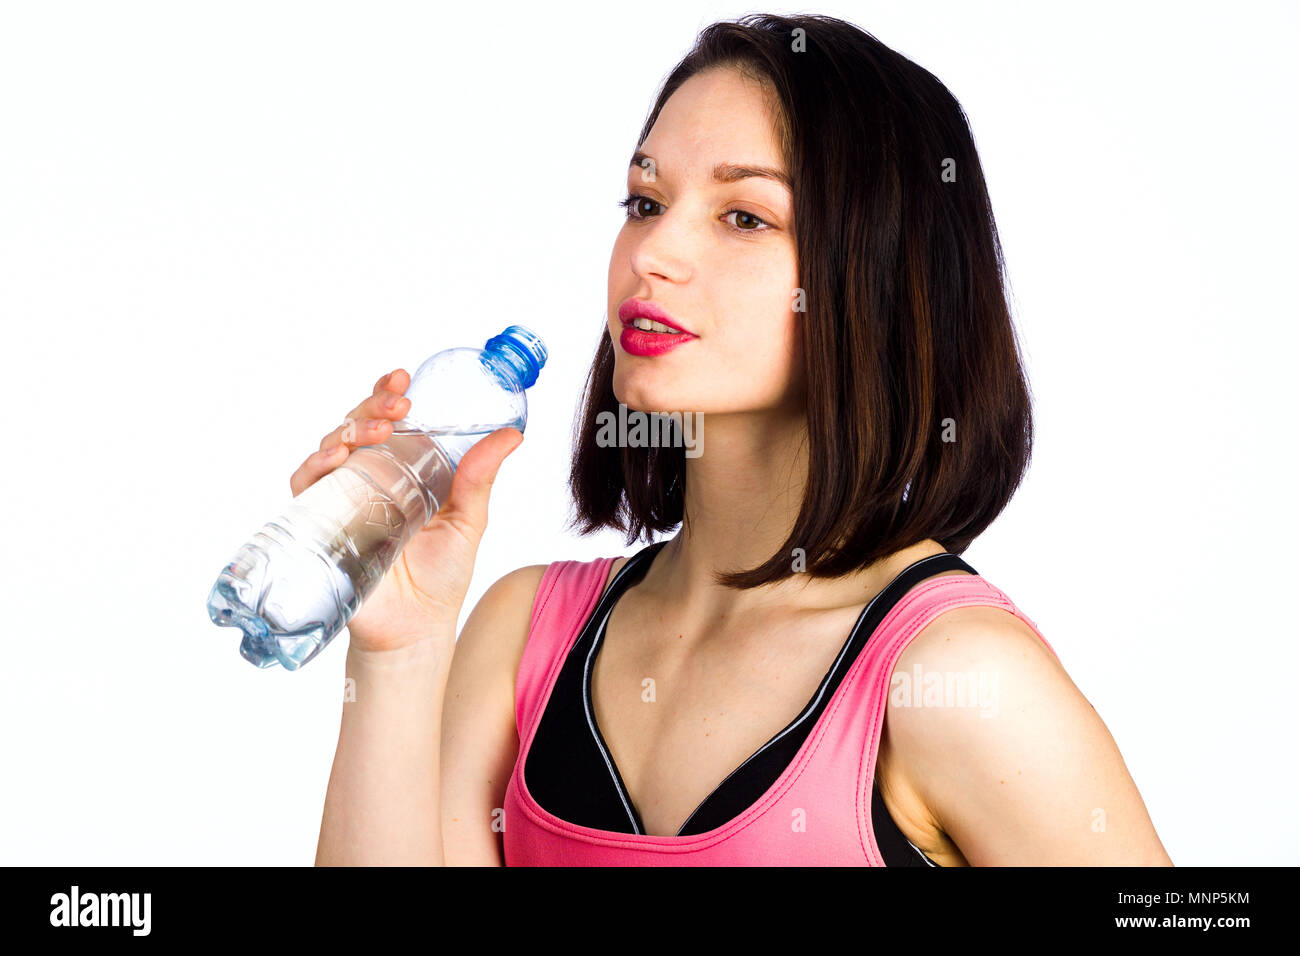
x=645, y=342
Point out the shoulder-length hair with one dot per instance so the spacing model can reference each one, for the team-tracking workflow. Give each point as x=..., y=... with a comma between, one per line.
x=918, y=410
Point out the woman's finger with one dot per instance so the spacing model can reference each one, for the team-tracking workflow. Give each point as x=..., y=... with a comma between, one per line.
x=394, y=381
x=370, y=423
x=315, y=466
x=383, y=405
x=355, y=432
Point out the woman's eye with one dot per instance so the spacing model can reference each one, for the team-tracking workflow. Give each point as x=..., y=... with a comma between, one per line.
x=745, y=220
x=635, y=206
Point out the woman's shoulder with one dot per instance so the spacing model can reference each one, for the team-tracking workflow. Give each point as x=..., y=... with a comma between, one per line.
x=990, y=633
x=960, y=613
x=606, y=569
x=515, y=604
x=1009, y=768
x=514, y=586
x=973, y=636
x=522, y=587
x=970, y=634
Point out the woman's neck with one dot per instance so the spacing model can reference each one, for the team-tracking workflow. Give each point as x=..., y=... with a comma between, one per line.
x=743, y=494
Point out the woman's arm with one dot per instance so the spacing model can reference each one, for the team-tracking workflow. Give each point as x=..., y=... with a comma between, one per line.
x=427, y=746
x=1030, y=776
x=381, y=806
x=480, y=743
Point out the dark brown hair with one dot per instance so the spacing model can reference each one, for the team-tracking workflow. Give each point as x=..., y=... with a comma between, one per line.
x=907, y=322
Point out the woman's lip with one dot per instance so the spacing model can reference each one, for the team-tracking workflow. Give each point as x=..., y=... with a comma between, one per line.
x=638, y=342
x=634, y=309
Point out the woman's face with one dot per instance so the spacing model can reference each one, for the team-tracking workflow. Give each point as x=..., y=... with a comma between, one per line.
x=714, y=249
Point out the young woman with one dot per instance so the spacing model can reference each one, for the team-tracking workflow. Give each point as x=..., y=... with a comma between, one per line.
x=773, y=684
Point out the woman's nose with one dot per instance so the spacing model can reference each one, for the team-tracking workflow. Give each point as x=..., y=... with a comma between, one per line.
x=663, y=249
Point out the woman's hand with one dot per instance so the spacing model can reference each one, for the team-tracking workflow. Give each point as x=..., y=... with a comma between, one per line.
x=421, y=595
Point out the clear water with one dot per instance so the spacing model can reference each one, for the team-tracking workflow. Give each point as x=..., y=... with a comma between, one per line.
x=298, y=581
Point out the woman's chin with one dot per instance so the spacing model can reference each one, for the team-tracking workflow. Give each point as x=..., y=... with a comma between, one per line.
x=640, y=393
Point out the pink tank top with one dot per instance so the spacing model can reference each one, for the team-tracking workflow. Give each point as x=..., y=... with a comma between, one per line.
x=829, y=781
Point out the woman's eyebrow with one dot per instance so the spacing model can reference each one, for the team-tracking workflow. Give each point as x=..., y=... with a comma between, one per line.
x=726, y=172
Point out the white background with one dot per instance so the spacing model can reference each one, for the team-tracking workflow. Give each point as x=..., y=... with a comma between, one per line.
x=221, y=222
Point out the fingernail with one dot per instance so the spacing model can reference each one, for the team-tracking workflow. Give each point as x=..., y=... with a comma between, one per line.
x=377, y=422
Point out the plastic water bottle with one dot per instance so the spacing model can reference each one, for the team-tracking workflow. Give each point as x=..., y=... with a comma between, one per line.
x=295, y=584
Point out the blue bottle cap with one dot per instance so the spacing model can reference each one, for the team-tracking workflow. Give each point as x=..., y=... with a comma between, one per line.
x=526, y=345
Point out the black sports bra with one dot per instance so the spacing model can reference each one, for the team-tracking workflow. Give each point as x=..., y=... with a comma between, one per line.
x=569, y=770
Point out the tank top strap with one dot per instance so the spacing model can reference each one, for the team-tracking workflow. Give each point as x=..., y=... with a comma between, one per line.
x=918, y=608
x=566, y=595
